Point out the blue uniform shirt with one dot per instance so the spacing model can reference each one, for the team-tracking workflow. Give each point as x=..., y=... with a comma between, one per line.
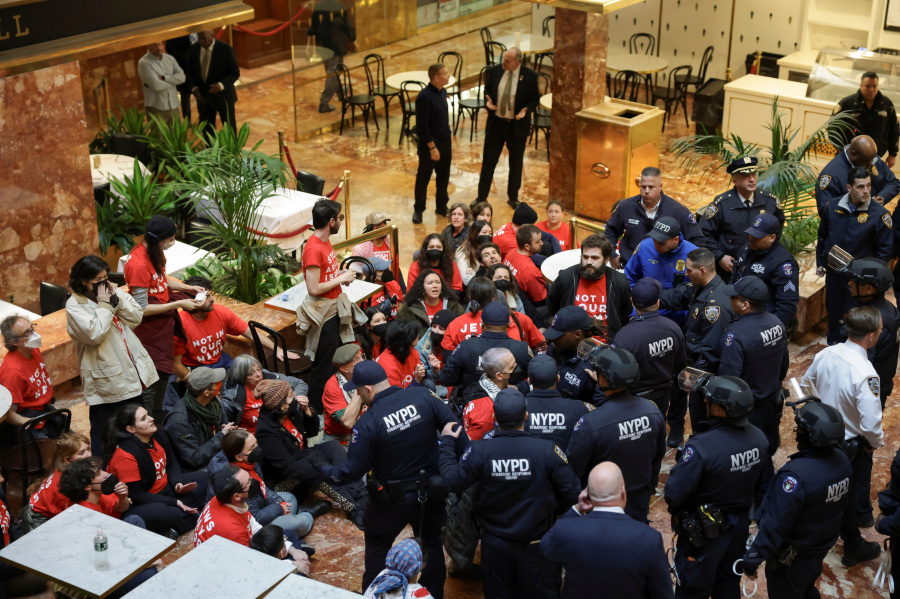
x=832, y=183
x=863, y=232
x=755, y=345
x=669, y=268
x=778, y=269
x=709, y=313
x=574, y=382
x=630, y=222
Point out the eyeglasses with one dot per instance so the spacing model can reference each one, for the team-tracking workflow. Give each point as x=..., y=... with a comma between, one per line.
x=28, y=332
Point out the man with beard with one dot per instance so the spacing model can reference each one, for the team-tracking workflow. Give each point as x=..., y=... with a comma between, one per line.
x=204, y=334
x=602, y=291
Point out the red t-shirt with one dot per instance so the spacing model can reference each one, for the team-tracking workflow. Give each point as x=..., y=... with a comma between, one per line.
x=415, y=269
x=206, y=338
x=333, y=400
x=467, y=325
x=591, y=295
x=320, y=253
x=139, y=272
x=217, y=519
x=505, y=238
x=432, y=310
x=377, y=247
x=4, y=523
x=27, y=380
x=288, y=425
x=528, y=276
x=125, y=466
x=399, y=374
x=392, y=288
x=562, y=233
x=47, y=500
x=106, y=506
x=250, y=415
x=478, y=417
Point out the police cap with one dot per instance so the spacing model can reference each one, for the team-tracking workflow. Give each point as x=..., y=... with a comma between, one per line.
x=764, y=225
x=367, y=372
x=665, y=229
x=743, y=166
x=509, y=406
x=646, y=292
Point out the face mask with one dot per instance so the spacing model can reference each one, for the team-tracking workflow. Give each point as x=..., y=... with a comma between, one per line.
x=436, y=339
x=434, y=255
x=387, y=276
x=96, y=286
x=254, y=488
x=484, y=239
x=380, y=329
x=33, y=341
x=167, y=246
x=502, y=285
x=108, y=486
x=255, y=456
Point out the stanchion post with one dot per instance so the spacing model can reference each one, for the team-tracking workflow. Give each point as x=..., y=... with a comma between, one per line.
x=573, y=234
x=98, y=110
x=105, y=85
x=346, y=180
x=395, y=252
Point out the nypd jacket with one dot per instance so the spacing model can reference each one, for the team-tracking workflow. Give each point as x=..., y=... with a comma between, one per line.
x=669, y=268
x=709, y=313
x=864, y=232
x=727, y=218
x=779, y=271
x=618, y=295
x=832, y=183
x=629, y=221
x=552, y=416
x=658, y=346
x=755, y=348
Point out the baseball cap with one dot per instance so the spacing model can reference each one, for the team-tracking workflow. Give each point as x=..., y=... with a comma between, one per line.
x=367, y=372
x=751, y=288
x=204, y=377
x=524, y=215
x=345, y=353
x=569, y=318
x=542, y=371
x=495, y=314
x=763, y=225
x=375, y=218
x=646, y=292
x=665, y=229
x=380, y=263
x=747, y=164
x=509, y=406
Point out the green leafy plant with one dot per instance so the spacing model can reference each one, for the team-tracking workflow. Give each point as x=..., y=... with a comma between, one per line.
x=133, y=121
x=140, y=197
x=113, y=226
x=784, y=172
x=270, y=281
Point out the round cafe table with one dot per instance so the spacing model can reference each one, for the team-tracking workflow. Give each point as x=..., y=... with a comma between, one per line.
x=112, y=166
x=546, y=102
x=397, y=79
x=552, y=266
x=643, y=64
x=528, y=43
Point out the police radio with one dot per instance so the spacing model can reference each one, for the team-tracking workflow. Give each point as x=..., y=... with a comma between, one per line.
x=839, y=259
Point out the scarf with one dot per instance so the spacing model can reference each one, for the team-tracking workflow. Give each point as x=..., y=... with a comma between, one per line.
x=404, y=561
x=489, y=386
x=210, y=415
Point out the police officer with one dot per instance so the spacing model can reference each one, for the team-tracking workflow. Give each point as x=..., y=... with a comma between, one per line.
x=663, y=256
x=524, y=481
x=658, y=346
x=464, y=365
x=766, y=258
x=861, y=152
x=550, y=415
x=710, y=490
x=860, y=227
x=870, y=278
x=846, y=381
x=394, y=440
x=874, y=115
x=633, y=218
x=800, y=516
x=569, y=327
x=755, y=344
x=726, y=219
x=627, y=430
x=709, y=313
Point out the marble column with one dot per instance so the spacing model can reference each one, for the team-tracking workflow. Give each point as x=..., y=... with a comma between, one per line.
x=579, y=81
x=48, y=219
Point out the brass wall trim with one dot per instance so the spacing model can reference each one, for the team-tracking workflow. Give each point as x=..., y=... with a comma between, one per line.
x=596, y=6
x=116, y=39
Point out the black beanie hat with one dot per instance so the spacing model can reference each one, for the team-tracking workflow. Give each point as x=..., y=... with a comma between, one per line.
x=524, y=215
x=160, y=227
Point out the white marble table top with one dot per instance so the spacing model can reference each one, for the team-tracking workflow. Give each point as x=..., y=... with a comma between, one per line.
x=298, y=587
x=639, y=63
x=63, y=551
x=7, y=309
x=560, y=261
x=528, y=43
x=178, y=257
x=291, y=299
x=397, y=79
x=113, y=166
x=546, y=102
x=5, y=402
x=217, y=569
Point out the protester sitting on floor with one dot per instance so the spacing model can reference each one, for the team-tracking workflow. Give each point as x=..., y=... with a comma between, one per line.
x=342, y=409
x=430, y=352
x=13, y=581
x=457, y=231
x=237, y=399
x=46, y=500
x=438, y=256
x=142, y=457
x=427, y=296
x=488, y=255
x=401, y=360
x=402, y=567
x=467, y=259
x=270, y=540
x=483, y=211
x=391, y=291
x=370, y=335
x=507, y=289
x=197, y=423
x=285, y=425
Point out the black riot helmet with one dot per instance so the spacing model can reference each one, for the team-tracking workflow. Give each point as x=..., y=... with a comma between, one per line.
x=731, y=393
x=617, y=365
x=871, y=271
x=819, y=425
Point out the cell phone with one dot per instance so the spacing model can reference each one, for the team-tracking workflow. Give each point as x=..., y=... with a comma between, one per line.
x=200, y=297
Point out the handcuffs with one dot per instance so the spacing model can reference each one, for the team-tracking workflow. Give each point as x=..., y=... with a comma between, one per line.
x=744, y=580
x=884, y=570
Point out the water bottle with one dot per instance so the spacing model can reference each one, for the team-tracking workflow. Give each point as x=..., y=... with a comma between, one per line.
x=101, y=551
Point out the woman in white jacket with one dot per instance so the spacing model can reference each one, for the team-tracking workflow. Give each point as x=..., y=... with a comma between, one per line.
x=115, y=367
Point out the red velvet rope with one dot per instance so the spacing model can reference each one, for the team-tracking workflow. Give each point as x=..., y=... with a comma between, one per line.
x=287, y=235
x=278, y=29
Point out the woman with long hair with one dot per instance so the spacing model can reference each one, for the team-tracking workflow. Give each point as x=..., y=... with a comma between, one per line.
x=115, y=367
x=507, y=289
x=467, y=259
x=436, y=255
x=458, y=229
x=555, y=225
x=428, y=296
x=370, y=336
x=141, y=456
x=145, y=275
x=483, y=211
x=401, y=360
x=46, y=500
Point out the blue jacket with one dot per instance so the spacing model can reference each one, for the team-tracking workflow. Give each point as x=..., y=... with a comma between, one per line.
x=669, y=268
x=863, y=234
x=832, y=183
x=264, y=508
x=629, y=222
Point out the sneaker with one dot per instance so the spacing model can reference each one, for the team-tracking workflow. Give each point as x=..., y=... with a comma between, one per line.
x=868, y=550
x=417, y=217
x=326, y=108
x=441, y=211
x=676, y=435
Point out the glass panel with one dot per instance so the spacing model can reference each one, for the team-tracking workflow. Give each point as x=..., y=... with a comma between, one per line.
x=836, y=73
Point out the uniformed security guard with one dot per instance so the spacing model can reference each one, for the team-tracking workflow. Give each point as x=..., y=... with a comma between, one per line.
x=627, y=430
x=766, y=258
x=800, y=516
x=463, y=367
x=846, y=381
x=861, y=152
x=755, y=344
x=395, y=441
x=726, y=219
x=709, y=312
x=524, y=481
x=722, y=470
x=633, y=218
x=550, y=415
x=658, y=346
x=870, y=278
x=662, y=256
x=873, y=114
x=569, y=327
x=860, y=227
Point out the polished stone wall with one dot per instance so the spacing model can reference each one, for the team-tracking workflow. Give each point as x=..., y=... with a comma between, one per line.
x=120, y=70
x=48, y=219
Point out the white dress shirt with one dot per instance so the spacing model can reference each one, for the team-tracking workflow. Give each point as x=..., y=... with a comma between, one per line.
x=511, y=109
x=159, y=93
x=847, y=382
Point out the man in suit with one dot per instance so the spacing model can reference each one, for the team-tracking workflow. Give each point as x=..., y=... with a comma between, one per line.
x=511, y=95
x=603, y=550
x=331, y=28
x=179, y=48
x=212, y=70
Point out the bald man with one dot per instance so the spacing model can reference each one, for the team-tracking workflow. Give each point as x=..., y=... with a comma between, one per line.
x=604, y=551
x=861, y=151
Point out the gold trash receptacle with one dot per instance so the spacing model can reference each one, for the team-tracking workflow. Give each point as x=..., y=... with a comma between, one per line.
x=616, y=141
